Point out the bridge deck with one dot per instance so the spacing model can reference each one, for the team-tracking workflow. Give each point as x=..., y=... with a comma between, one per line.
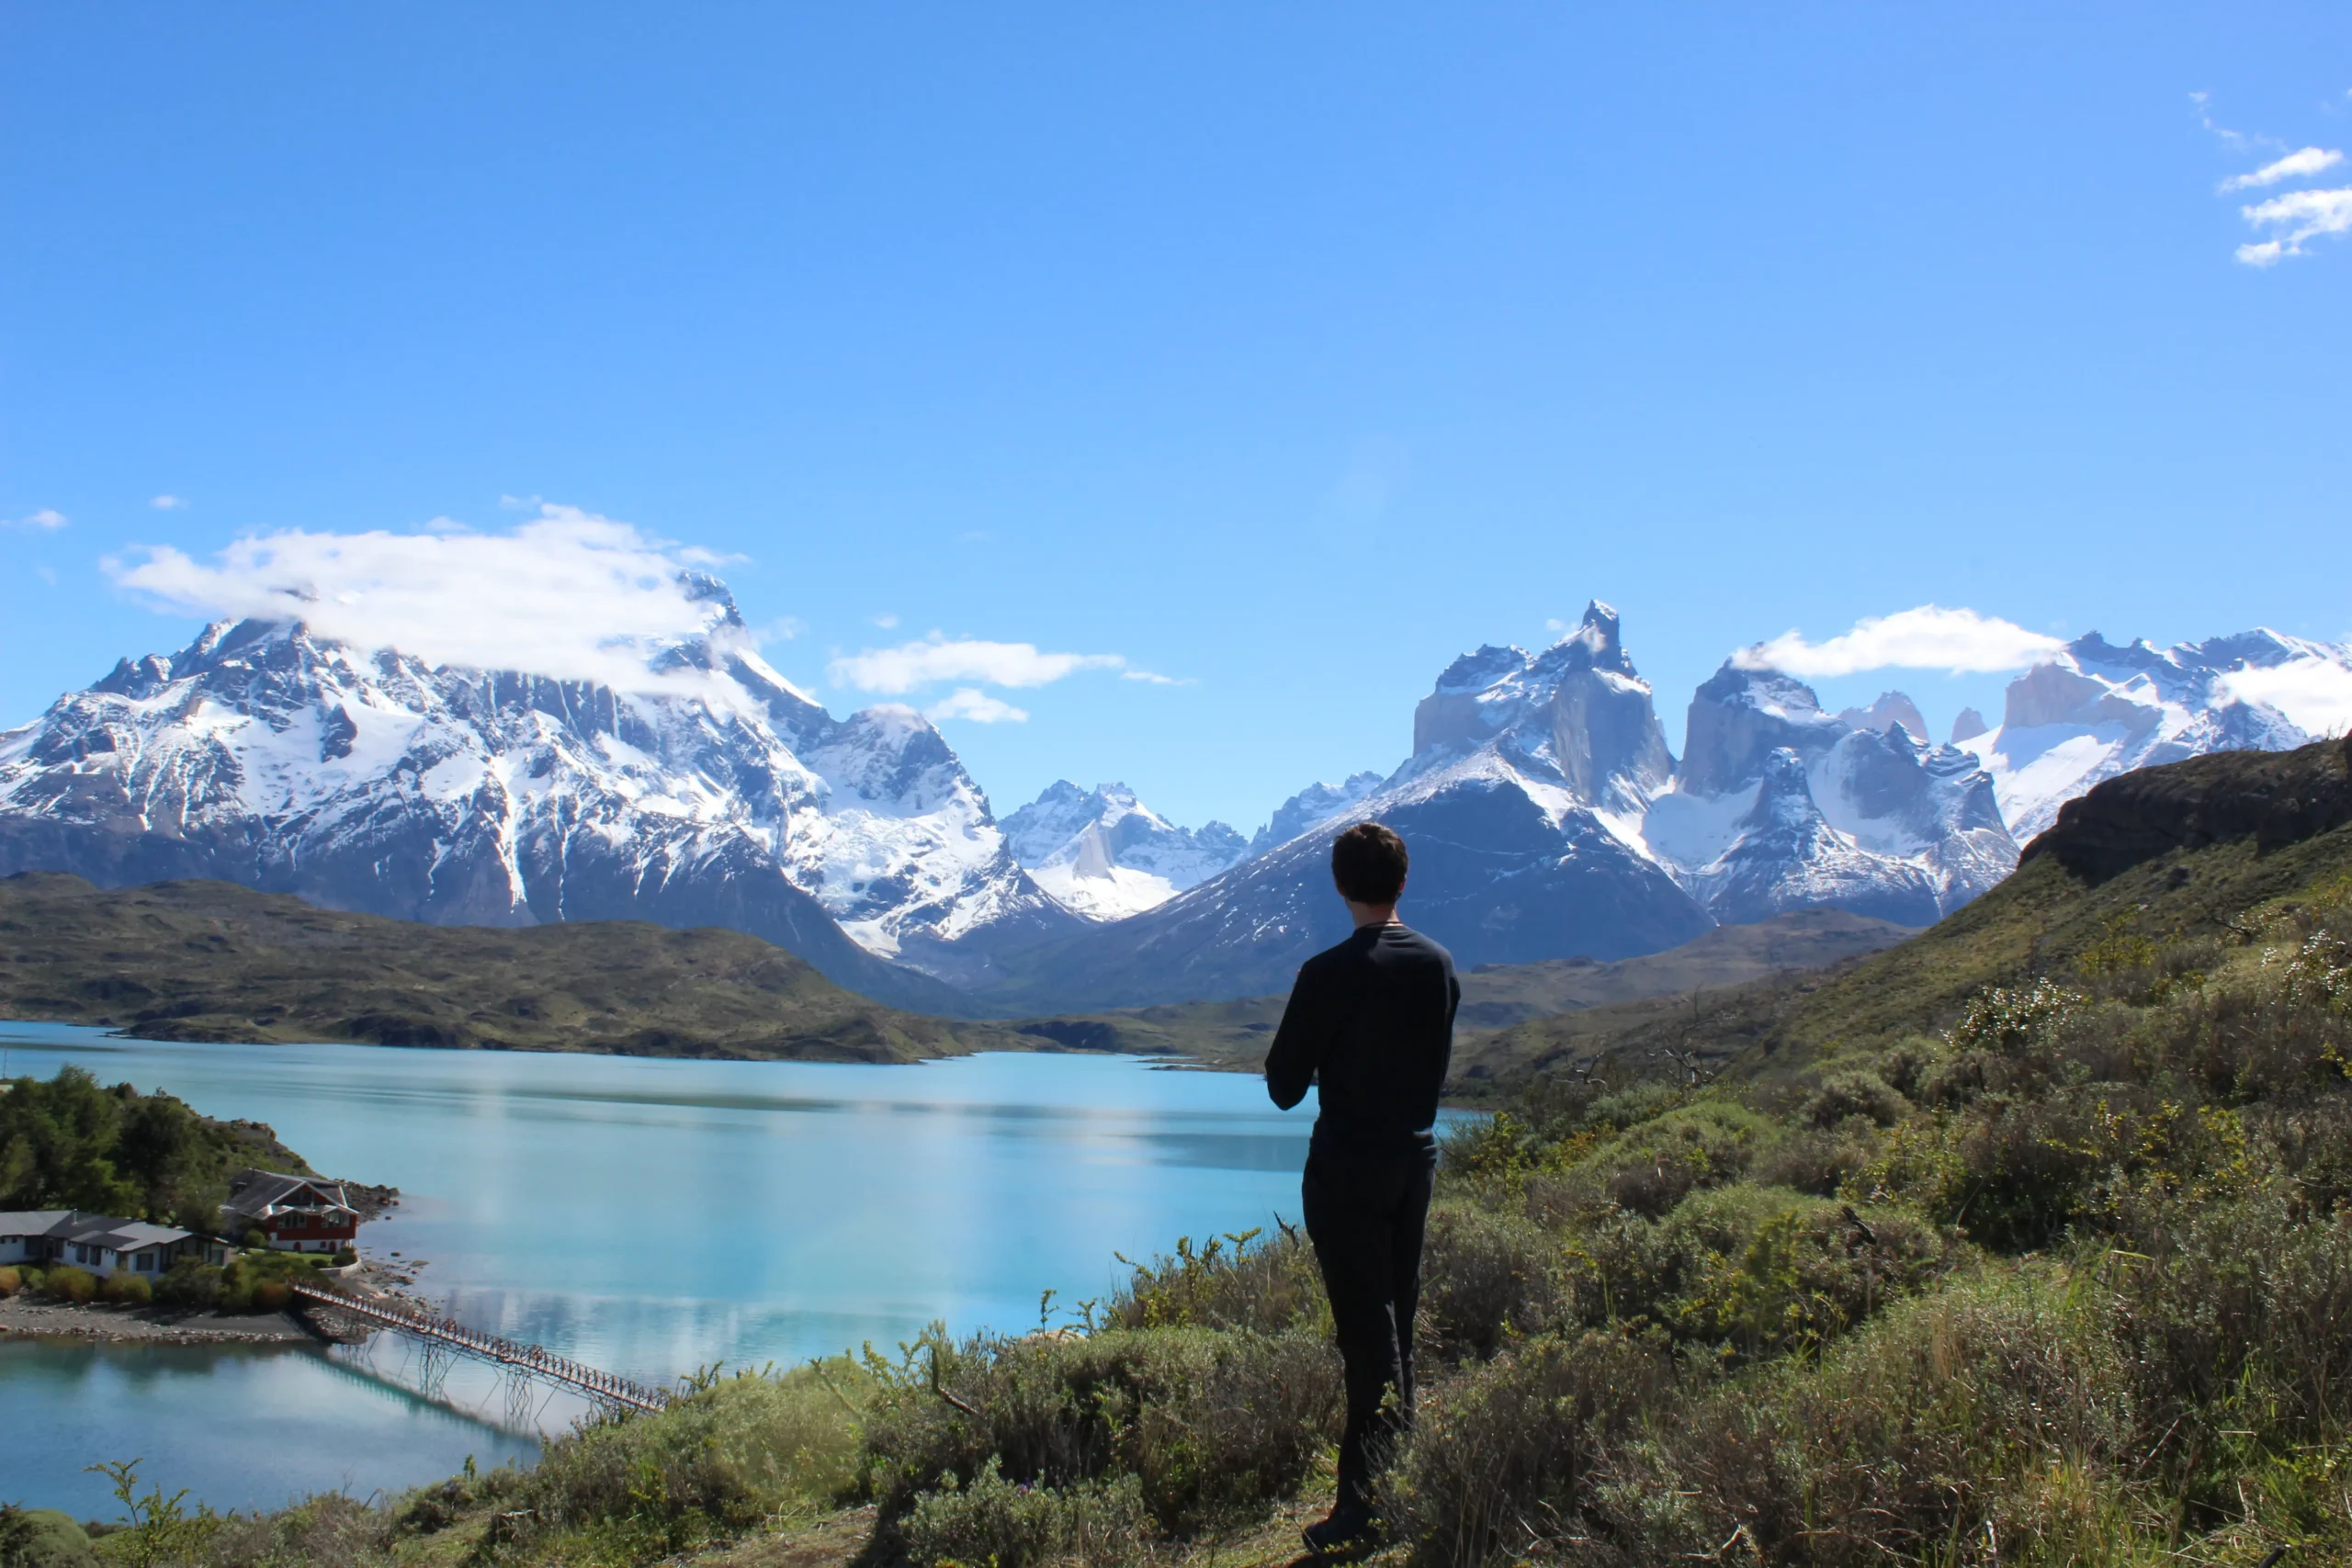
x=512, y=1354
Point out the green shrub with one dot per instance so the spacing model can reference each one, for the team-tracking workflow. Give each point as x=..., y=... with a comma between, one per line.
x=1499, y=1457
x=1865, y=1095
x=191, y=1285
x=270, y=1296
x=43, y=1538
x=1651, y=1165
x=736, y=1451
x=1229, y=1283
x=1484, y=1273
x=1943, y=1416
x=1214, y=1424
x=71, y=1284
x=994, y=1522
x=129, y=1289
x=11, y=1282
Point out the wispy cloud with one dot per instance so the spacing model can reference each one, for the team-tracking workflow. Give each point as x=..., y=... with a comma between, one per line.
x=2295, y=165
x=2314, y=692
x=567, y=594
x=2291, y=217
x=968, y=701
x=1153, y=678
x=937, y=659
x=45, y=521
x=1927, y=637
x=2302, y=215
x=2237, y=140
x=886, y=621
x=169, y=502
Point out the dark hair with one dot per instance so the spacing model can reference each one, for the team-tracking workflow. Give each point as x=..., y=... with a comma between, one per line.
x=1368, y=862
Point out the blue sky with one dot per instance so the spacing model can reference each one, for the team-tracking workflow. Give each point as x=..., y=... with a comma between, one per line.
x=1283, y=352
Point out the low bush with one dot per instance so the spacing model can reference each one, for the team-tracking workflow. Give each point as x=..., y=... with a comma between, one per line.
x=1484, y=1274
x=1499, y=1457
x=738, y=1451
x=128, y=1290
x=71, y=1284
x=994, y=1522
x=1234, y=1281
x=1213, y=1424
x=11, y=1282
x=191, y=1285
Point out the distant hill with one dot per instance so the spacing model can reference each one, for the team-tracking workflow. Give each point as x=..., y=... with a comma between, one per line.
x=1497, y=996
x=215, y=960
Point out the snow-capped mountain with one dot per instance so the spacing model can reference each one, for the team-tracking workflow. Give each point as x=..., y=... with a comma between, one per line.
x=1547, y=819
x=1311, y=807
x=1104, y=854
x=1522, y=800
x=2098, y=710
x=1780, y=805
x=718, y=795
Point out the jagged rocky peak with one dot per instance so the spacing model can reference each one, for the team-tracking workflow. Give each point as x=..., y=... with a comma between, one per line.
x=1789, y=856
x=1579, y=706
x=1104, y=854
x=2098, y=709
x=1897, y=820
x=1892, y=707
x=1967, y=725
x=1312, y=806
x=1739, y=716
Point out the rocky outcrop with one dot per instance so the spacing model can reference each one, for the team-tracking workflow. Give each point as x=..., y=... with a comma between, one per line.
x=2273, y=799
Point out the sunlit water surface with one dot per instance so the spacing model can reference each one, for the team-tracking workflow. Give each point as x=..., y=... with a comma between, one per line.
x=649, y=1217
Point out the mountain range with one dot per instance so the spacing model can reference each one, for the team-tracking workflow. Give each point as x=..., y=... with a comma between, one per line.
x=1548, y=817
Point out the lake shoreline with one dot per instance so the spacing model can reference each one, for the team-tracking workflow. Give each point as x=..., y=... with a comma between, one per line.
x=109, y=1323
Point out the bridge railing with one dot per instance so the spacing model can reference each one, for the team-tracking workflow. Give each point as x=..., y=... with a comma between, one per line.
x=515, y=1354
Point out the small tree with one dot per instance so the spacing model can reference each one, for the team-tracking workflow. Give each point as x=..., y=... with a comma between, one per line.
x=161, y=1529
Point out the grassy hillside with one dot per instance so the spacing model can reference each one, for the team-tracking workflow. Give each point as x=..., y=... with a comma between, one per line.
x=213, y=961
x=2029, y=1241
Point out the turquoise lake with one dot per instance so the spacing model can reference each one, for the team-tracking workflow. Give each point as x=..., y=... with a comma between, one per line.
x=649, y=1217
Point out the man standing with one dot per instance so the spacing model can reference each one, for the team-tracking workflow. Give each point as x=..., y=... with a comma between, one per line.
x=1371, y=1023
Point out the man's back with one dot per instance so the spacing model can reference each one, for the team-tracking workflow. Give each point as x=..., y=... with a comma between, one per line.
x=1371, y=1023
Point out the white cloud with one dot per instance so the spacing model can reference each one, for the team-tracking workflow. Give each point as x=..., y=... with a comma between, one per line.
x=2314, y=692
x=886, y=621
x=1153, y=678
x=935, y=658
x=967, y=702
x=168, y=502
x=567, y=594
x=1927, y=637
x=44, y=521
x=2295, y=165
x=2304, y=214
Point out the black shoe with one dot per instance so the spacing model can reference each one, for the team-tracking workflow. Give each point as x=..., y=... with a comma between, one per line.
x=1348, y=1528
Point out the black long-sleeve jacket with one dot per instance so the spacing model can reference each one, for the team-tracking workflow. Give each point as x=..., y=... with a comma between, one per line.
x=1370, y=1025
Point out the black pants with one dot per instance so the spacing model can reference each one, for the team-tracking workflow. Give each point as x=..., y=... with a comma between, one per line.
x=1364, y=1214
